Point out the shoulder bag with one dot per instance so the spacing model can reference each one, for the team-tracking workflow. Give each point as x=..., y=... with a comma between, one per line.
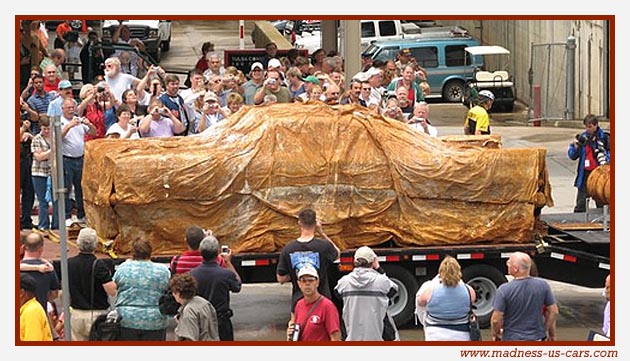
x=310, y=312
x=473, y=324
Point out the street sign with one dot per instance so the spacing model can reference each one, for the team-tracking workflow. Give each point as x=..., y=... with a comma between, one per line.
x=243, y=59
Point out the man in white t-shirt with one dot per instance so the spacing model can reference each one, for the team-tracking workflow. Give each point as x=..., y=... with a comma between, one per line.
x=117, y=80
x=420, y=119
x=73, y=131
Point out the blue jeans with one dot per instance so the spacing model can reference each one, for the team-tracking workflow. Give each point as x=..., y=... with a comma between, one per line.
x=39, y=183
x=72, y=174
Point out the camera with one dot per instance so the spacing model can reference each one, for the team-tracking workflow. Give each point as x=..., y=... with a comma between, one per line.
x=295, y=335
x=272, y=80
x=581, y=139
x=100, y=89
x=225, y=249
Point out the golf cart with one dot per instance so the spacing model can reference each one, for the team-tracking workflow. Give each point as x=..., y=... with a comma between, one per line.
x=493, y=77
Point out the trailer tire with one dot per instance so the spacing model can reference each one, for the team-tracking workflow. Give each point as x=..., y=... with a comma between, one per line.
x=485, y=280
x=403, y=303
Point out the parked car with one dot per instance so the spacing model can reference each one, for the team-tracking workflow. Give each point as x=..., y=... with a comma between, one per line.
x=421, y=23
x=442, y=55
x=375, y=30
x=371, y=30
x=155, y=34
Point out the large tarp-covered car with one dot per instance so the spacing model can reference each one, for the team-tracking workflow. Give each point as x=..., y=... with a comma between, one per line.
x=370, y=179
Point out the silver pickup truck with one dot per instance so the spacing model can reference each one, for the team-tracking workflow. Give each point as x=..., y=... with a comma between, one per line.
x=155, y=34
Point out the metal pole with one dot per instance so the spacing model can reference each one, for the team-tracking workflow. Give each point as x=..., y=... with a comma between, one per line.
x=60, y=191
x=530, y=78
x=570, y=77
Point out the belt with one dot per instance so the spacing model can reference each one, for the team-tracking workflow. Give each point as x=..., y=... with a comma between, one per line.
x=68, y=157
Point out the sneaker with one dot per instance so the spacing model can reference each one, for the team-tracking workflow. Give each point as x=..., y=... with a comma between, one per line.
x=69, y=222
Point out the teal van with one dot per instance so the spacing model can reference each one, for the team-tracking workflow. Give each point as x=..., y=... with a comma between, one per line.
x=443, y=55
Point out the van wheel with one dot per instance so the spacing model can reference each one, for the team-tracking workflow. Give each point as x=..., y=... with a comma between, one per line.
x=403, y=303
x=485, y=280
x=453, y=91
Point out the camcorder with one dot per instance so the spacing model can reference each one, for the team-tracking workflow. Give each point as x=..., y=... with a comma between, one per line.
x=599, y=149
x=600, y=153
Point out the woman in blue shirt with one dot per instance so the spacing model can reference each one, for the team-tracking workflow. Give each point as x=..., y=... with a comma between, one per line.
x=140, y=284
x=448, y=301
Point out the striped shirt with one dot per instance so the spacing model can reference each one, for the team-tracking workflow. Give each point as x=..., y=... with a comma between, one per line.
x=40, y=103
x=189, y=260
x=40, y=168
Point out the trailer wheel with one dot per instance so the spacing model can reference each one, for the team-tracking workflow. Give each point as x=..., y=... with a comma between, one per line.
x=403, y=303
x=484, y=280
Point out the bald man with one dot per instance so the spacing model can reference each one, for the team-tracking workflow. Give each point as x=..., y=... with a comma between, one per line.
x=518, y=305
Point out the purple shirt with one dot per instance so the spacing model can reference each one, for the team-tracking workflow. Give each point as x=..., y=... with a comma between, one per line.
x=160, y=128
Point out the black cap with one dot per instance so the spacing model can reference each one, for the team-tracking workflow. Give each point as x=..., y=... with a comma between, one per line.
x=27, y=282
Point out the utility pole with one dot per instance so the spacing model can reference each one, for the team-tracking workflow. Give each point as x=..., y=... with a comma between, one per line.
x=59, y=192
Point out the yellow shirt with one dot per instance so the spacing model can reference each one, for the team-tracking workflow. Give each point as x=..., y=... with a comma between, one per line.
x=479, y=116
x=34, y=322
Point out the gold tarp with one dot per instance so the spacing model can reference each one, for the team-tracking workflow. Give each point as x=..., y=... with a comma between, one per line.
x=369, y=178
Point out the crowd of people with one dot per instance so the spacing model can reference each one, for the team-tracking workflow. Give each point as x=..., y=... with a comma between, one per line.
x=129, y=100
x=202, y=278
x=121, y=96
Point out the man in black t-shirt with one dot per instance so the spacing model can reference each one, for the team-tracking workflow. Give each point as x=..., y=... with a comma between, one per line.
x=90, y=282
x=307, y=250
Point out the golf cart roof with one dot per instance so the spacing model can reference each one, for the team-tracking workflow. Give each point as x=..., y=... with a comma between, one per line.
x=487, y=50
